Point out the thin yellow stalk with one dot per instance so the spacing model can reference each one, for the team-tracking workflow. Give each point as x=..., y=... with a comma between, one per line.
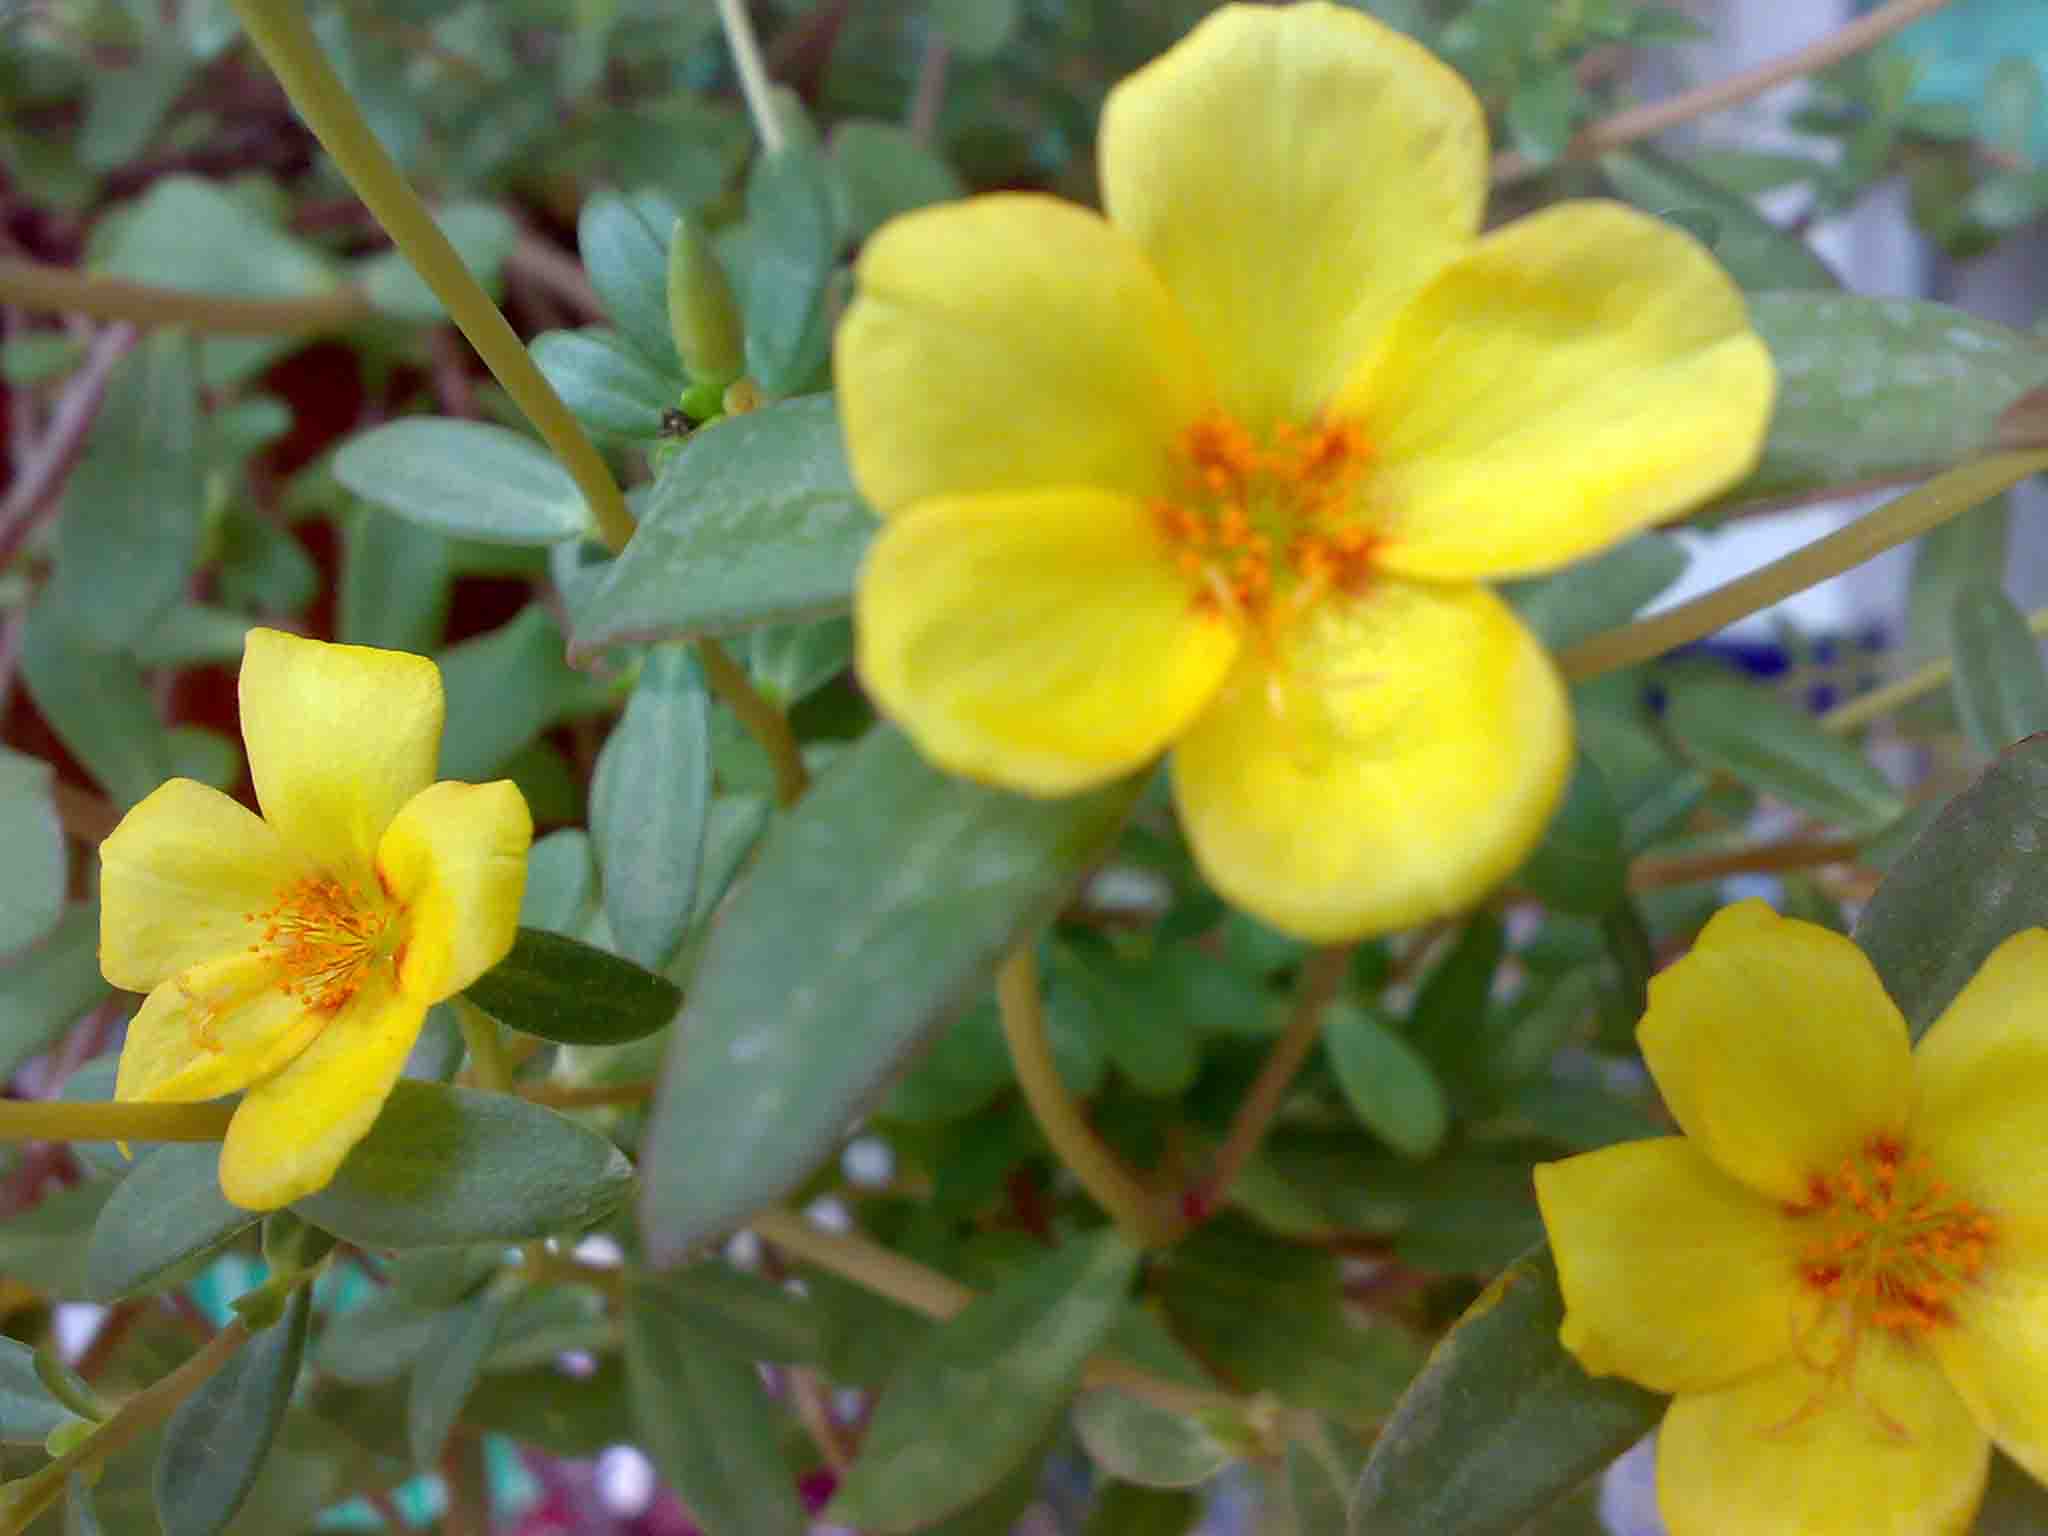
x=57, y=1120
x=33, y=285
x=753, y=73
x=1858, y=712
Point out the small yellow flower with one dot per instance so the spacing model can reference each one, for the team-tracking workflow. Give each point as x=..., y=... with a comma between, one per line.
x=1224, y=470
x=293, y=957
x=1841, y=1269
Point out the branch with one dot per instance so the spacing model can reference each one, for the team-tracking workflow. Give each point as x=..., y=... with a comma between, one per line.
x=34, y=285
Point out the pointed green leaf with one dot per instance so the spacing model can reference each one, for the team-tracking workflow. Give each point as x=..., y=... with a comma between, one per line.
x=1502, y=1422
x=504, y=688
x=705, y=1423
x=97, y=704
x=450, y=1165
x=32, y=899
x=1751, y=734
x=1755, y=252
x=468, y=479
x=560, y=989
x=169, y=1209
x=1969, y=881
x=1145, y=1444
x=1386, y=1081
x=607, y=382
x=650, y=800
x=884, y=170
x=46, y=987
x=27, y=1411
x=2001, y=685
x=218, y=1439
x=791, y=241
x=624, y=245
x=875, y=910
x=445, y=1370
x=983, y=1389
x=395, y=582
x=755, y=521
x=1581, y=865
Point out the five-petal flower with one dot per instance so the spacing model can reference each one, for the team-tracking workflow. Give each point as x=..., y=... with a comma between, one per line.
x=293, y=957
x=1841, y=1269
x=1224, y=470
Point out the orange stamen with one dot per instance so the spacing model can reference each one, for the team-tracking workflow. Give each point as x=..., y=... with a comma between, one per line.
x=323, y=936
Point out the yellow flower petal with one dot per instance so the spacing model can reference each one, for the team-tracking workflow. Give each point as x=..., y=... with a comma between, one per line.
x=1777, y=1049
x=179, y=878
x=1577, y=375
x=213, y=1029
x=1295, y=174
x=291, y=1131
x=1043, y=641
x=1399, y=757
x=1982, y=1074
x=1996, y=1356
x=455, y=856
x=339, y=737
x=1891, y=1451
x=1010, y=343
x=1674, y=1275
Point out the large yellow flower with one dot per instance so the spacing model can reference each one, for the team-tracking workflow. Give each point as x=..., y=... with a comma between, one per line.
x=1223, y=471
x=293, y=957
x=1841, y=1269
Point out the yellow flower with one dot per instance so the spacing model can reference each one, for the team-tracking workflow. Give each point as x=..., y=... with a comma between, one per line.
x=1224, y=470
x=293, y=957
x=1841, y=1269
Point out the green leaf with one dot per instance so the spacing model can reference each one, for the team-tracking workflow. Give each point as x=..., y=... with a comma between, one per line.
x=448, y=1165
x=1322, y=1475
x=80, y=1517
x=624, y=244
x=559, y=883
x=650, y=802
x=2014, y=1503
x=169, y=1209
x=468, y=479
x=97, y=704
x=560, y=989
x=193, y=634
x=1756, y=253
x=1969, y=881
x=1754, y=736
x=1447, y=1021
x=1501, y=1423
x=885, y=170
x=1880, y=389
x=32, y=898
x=565, y=1415
x=1542, y=113
x=984, y=1388
x=128, y=542
x=875, y=909
x=376, y=1340
x=791, y=241
x=977, y=29
x=445, y=1371
x=45, y=1246
x=1134, y=1440
x=607, y=382
x=2000, y=684
x=1602, y=593
x=760, y=1320
x=1580, y=866
x=45, y=988
x=483, y=236
x=705, y=1423
x=504, y=688
x=395, y=582
x=259, y=566
x=755, y=521
x=1387, y=1083
x=218, y=1438
x=1122, y=1509
x=27, y=1411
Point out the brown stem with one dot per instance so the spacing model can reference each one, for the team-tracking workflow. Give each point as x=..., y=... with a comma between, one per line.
x=39, y=480
x=762, y=720
x=564, y=1096
x=1691, y=868
x=34, y=285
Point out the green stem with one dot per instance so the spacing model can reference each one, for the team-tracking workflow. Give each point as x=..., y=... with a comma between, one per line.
x=36, y=286
x=1945, y=496
x=1858, y=712
x=753, y=73
x=486, y=1046
x=280, y=31
x=59, y=1120
x=763, y=721
x=1101, y=1172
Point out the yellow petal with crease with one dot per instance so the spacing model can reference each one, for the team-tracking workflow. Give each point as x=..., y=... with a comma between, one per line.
x=339, y=737
x=1996, y=1355
x=1673, y=1274
x=214, y=1029
x=1010, y=343
x=1295, y=175
x=1777, y=1049
x=1982, y=1073
x=291, y=1131
x=1574, y=377
x=1388, y=761
x=1042, y=642
x=179, y=878
x=455, y=856
x=1891, y=1451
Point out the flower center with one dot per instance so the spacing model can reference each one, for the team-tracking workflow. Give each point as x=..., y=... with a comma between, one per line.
x=1892, y=1242
x=324, y=936
x=1261, y=530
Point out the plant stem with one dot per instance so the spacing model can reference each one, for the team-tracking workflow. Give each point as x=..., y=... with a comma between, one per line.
x=39, y=478
x=1947, y=494
x=1321, y=975
x=930, y=95
x=280, y=31
x=1102, y=1173
x=1645, y=121
x=763, y=721
x=1691, y=868
x=486, y=1046
x=565, y=1096
x=746, y=58
x=59, y=1120
x=1853, y=713
x=886, y=1273
x=34, y=285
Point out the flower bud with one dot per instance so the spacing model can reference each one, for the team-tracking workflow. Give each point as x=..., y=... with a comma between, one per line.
x=702, y=314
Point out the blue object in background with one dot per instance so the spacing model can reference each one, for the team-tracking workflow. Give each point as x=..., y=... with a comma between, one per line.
x=1959, y=47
